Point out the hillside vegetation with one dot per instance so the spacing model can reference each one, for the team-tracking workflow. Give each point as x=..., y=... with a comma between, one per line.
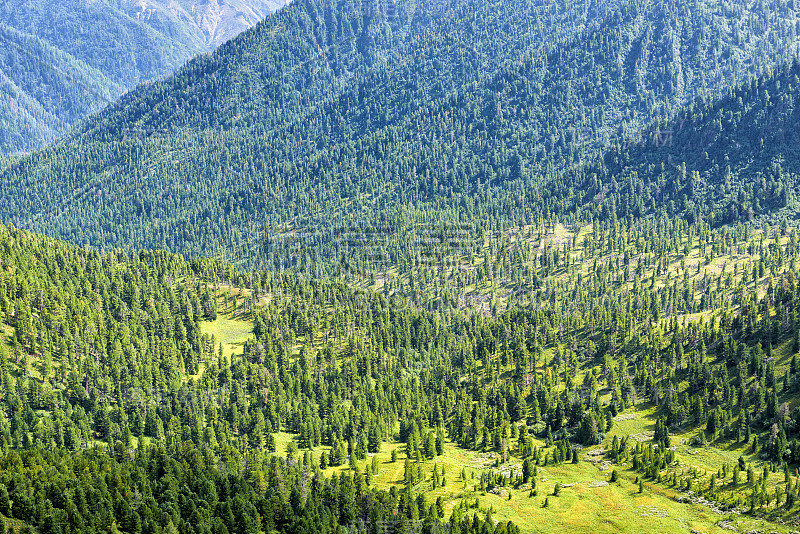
x=330, y=115
x=106, y=351
x=723, y=161
x=468, y=267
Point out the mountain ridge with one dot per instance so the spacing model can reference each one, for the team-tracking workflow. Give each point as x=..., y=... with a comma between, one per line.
x=122, y=42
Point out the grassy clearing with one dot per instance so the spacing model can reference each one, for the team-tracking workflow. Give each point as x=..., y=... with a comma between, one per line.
x=230, y=333
x=585, y=504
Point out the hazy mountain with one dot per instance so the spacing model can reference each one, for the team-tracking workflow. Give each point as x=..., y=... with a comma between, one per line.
x=63, y=60
x=44, y=90
x=217, y=20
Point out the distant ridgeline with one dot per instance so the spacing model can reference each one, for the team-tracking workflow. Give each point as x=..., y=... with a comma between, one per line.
x=332, y=116
x=61, y=61
x=43, y=90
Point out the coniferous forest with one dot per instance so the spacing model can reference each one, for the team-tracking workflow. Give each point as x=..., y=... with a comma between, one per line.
x=395, y=267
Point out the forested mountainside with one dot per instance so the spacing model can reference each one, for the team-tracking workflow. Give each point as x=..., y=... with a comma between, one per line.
x=62, y=61
x=333, y=114
x=727, y=160
x=718, y=162
x=479, y=267
x=122, y=409
x=108, y=349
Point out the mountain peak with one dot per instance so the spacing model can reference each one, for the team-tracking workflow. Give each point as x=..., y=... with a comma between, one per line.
x=216, y=20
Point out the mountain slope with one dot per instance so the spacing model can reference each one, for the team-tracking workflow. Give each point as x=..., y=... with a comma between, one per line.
x=121, y=42
x=44, y=90
x=127, y=372
x=331, y=115
x=113, y=379
x=727, y=160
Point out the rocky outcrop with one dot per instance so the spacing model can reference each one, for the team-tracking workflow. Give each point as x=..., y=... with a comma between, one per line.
x=216, y=20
